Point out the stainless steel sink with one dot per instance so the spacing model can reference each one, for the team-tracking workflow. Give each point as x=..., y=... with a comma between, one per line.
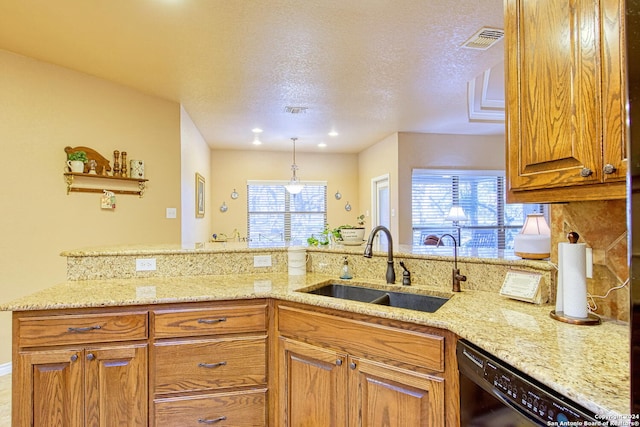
x=411, y=301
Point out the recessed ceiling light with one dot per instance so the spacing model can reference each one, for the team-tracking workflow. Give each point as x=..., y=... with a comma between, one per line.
x=322, y=145
x=256, y=130
x=257, y=141
x=333, y=133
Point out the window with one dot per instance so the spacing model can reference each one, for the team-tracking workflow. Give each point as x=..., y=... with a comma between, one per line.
x=274, y=215
x=491, y=223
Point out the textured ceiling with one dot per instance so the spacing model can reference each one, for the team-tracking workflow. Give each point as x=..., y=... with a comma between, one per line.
x=364, y=68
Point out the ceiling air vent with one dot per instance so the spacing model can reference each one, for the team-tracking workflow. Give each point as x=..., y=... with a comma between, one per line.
x=295, y=110
x=484, y=38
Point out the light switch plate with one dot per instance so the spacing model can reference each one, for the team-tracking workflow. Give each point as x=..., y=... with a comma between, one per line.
x=145, y=264
x=262, y=261
x=171, y=213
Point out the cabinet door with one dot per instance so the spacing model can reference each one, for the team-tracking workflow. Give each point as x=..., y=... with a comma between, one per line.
x=116, y=386
x=555, y=101
x=614, y=86
x=382, y=395
x=312, y=386
x=52, y=384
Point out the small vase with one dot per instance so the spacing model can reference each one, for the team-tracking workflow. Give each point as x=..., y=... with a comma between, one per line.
x=76, y=166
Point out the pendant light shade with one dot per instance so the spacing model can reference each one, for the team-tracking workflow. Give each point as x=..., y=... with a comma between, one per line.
x=294, y=186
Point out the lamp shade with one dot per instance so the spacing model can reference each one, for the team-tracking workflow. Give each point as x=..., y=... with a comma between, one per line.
x=294, y=186
x=456, y=213
x=534, y=240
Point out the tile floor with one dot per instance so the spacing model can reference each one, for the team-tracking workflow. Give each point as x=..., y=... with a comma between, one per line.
x=5, y=400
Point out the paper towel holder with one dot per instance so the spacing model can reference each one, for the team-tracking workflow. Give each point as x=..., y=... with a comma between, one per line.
x=591, y=318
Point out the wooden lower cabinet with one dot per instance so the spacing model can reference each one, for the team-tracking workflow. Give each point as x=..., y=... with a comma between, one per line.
x=330, y=376
x=248, y=363
x=94, y=386
x=210, y=365
x=326, y=388
x=388, y=396
x=77, y=369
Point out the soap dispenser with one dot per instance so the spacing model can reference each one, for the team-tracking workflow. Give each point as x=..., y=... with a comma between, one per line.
x=346, y=270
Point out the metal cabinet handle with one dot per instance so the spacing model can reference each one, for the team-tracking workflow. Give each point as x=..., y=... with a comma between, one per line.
x=339, y=362
x=211, y=365
x=85, y=329
x=212, y=321
x=74, y=357
x=352, y=365
x=211, y=420
x=609, y=169
x=586, y=172
x=90, y=356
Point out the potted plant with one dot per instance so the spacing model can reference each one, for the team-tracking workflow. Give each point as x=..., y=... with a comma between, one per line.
x=324, y=239
x=352, y=234
x=76, y=161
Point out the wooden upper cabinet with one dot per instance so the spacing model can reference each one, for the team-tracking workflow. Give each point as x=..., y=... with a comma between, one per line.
x=566, y=100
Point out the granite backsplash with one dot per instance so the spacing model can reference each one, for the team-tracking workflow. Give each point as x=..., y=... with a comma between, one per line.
x=602, y=225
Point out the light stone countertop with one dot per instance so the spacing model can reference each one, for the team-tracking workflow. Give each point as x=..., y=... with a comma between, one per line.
x=589, y=364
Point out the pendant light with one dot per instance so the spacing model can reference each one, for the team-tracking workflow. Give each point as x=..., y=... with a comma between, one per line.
x=294, y=186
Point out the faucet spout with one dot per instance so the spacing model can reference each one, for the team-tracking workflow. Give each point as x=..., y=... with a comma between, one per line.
x=456, y=277
x=368, y=251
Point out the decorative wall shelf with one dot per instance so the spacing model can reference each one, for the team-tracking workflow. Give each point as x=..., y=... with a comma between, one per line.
x=69, y=177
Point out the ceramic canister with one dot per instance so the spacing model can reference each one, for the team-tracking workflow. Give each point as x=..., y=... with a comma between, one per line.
x=297, y=260
x=137, y=169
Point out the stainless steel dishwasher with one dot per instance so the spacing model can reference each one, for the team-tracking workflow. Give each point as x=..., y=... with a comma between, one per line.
x=494, y=394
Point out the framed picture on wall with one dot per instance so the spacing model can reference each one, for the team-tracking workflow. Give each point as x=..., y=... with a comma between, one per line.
x=199, y=195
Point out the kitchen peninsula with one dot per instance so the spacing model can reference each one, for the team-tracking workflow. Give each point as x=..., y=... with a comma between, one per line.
x=149, y=316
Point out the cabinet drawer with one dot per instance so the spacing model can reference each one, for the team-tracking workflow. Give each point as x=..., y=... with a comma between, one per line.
x=207, y=321
x=376, y=341
x=238, y=409
x=80, y=329
x=197, y=365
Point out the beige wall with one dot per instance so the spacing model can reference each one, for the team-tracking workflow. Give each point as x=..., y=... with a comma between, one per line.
x=378, y=160
x=44, y=108
x=436, y=151
x=399, y=153
x=230, y=169
x=195, y=157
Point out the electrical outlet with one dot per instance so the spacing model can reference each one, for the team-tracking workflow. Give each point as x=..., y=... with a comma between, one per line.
x=145, y=264
x=171, y=213
x=262, y=261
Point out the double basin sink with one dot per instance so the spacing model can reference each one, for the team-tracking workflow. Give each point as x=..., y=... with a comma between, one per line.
x=407, y=300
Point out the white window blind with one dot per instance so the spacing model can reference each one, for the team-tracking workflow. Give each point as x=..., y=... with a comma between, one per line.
x=274, y=215
x=491, y=223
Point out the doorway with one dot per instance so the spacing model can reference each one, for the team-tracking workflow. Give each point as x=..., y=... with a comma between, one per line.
x=380, y=206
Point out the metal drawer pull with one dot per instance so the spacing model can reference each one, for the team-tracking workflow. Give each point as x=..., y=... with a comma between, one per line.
x=74, y=357
x=211, y=365
x=90, y=356
x=85, y=329
x=212, y=420
x=609, y=169
x=212, y=321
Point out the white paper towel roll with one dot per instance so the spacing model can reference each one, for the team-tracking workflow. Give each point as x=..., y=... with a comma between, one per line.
x=572, y=274
x=560, y=290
